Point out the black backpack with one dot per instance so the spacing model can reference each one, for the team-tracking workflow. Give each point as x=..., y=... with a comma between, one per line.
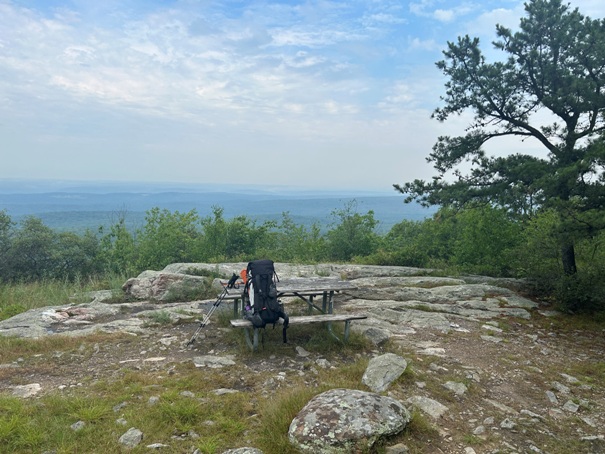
x=260, y=295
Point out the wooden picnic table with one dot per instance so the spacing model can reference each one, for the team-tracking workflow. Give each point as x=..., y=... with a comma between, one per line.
x=304, y=288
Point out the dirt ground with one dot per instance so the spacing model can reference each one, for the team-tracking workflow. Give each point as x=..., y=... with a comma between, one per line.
x=531, y=386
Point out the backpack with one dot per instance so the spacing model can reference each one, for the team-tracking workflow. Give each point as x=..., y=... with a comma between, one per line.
x=260, y=295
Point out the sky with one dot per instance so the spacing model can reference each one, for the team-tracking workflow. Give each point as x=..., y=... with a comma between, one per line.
x=315, y=94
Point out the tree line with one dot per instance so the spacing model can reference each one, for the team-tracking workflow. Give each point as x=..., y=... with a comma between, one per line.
x=477, y=239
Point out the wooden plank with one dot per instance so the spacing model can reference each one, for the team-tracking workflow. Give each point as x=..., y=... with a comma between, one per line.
x=305, y=319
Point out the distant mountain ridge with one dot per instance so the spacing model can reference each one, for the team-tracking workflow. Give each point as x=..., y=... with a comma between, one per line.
x=88, y=206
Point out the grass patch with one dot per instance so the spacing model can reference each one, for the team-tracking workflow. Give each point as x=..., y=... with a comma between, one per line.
x=191, y=292
x=313, y=337
x=12, y=348
x=419, y=432
x=160, y=318
x=21, y=297
x=592, y=373
x=275, y=416
x=200, y=419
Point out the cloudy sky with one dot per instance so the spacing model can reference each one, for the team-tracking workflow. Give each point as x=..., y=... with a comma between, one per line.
x=325, y=94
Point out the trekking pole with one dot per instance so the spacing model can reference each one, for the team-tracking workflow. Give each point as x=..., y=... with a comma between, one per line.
x=216, y=304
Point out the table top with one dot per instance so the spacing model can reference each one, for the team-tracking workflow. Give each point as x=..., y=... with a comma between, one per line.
x=304, y=285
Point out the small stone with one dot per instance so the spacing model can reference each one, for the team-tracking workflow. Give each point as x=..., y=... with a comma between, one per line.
x=570, y=379
x=131, y=438
x=323, y=363
x=118, y=407
x=26, y=391
x=399, y=448
x=508, y=424
x=571, y=406
x=77, y=426
x=457, y=388
x=302, y=352
x=479, y=430
x=223, y=391
x=494, y=339
x=560, y=387
x=551, y=397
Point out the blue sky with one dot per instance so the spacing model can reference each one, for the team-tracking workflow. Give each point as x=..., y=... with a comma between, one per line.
x=323, y=94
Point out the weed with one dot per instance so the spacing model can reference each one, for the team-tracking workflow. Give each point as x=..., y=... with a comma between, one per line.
x=190, y=292
x=322, y=271
x=472, y=440
x=276, y=415
x=420, y=428
x=182, y=413
x=209, y=445
x=212, y=274
x=11, y=310
x=160, y=318
x=89, y=410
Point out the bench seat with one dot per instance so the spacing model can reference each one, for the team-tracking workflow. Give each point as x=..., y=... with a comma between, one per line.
x=299, y=320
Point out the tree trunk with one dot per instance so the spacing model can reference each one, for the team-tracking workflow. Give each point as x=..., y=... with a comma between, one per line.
x=568, y=255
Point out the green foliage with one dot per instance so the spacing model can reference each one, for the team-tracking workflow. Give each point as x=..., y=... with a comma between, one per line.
x=167, y=238
x=31, y=250
x=479, y=239
x=160, y=318
x=11, y=310
x=476, y=238
x=539, y=260
x=118, y=249
x=296, y=243
x=232, y=239
x=352, y=233
x=485, y=241
x=538, y=257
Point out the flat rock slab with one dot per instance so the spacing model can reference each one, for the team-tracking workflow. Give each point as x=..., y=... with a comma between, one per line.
x=213, y=362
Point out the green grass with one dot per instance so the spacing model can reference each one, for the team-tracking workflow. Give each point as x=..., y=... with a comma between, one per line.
x=160, y=318
x=220, y=422
x=21, y=297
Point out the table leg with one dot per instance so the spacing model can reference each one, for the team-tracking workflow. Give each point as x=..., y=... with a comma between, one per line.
x=347, y=330
x=235, y=309
x=331, y=302
x=252, y=343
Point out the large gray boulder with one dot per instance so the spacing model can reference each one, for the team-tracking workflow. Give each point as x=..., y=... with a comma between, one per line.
x=345, y=421
x=160, y=286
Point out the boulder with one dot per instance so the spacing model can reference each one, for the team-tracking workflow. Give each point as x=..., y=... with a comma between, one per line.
x=382, y=371
x=159, y=285
x=345, y=421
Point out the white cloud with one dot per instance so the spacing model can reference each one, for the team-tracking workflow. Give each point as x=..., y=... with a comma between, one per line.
x=432, y=9
x=149, y=83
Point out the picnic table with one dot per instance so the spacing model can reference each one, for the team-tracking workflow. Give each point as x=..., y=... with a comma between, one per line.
x=306, y=289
